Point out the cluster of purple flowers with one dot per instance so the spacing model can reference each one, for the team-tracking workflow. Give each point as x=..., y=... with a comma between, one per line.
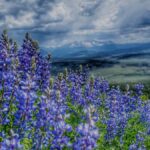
x=42, y=112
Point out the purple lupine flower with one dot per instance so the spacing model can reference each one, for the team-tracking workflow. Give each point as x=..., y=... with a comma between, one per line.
x=36, y=107
x=138, y=89
x=88, y=133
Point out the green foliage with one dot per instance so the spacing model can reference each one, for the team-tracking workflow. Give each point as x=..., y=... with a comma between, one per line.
x=1, y=139
x=1, y=92
x=71, y=135
x=27, y=144
x=144, y=97
x=75, y=118
x=102, y=144
x=134, y=126
x=76, y=114
x=147, y=142
x=101, y=140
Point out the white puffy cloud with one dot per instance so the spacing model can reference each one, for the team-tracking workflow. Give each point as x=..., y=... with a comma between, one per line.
x=23, y=20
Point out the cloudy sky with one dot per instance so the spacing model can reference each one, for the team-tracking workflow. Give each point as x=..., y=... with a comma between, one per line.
x=55, y=23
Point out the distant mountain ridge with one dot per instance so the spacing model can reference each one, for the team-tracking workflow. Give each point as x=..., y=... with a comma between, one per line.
x=79, y=52
x=103, y=56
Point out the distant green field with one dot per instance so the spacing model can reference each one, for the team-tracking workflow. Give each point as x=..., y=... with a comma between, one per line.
x=146, y=91
x=127, y=70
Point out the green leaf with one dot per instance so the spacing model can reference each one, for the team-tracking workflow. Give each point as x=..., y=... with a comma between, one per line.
x=27, y=144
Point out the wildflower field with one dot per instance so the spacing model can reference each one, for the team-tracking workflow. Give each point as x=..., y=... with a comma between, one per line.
x=69, y=111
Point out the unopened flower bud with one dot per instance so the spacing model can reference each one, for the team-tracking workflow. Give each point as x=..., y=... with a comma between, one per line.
x=60, y=76
x=58, y=95
x=66, y=73
x=81, y=68
x=51, y=82
x=127, y=87
x=92, y=80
